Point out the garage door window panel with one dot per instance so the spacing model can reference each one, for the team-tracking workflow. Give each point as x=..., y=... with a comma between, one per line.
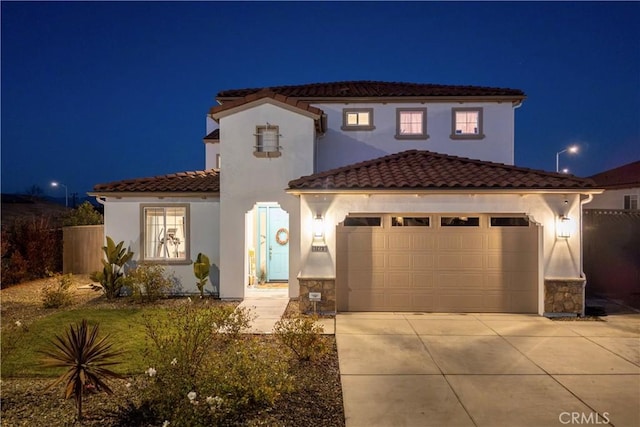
x=362, y=221
x=410, y=221
x=459, y=221
x=509, y=221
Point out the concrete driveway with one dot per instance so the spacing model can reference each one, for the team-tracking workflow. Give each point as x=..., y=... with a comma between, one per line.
x=401, y=369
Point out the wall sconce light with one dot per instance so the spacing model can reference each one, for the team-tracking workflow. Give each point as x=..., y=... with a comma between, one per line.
x=318, y=227
x=564, y=225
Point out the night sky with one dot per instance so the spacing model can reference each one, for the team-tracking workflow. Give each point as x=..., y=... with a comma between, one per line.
x=95, y=92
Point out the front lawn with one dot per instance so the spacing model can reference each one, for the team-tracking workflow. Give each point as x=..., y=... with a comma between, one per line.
x=123, y=325
x=308, y=393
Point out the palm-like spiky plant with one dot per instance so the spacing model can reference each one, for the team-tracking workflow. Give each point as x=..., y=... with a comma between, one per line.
x=86, y=358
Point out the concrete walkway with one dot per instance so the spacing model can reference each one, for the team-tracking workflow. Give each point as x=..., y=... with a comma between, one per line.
x=267, y=305
x=488, y=370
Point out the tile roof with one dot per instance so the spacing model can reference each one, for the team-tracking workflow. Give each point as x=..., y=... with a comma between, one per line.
x=183, y=182
x=213, y=135
x=415, y=169
x=265, y=93
x=625, y=176
x=365, y=88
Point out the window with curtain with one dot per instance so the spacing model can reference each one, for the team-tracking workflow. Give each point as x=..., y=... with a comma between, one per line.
x=466, y=123
x=411, y=123
x=165, y=233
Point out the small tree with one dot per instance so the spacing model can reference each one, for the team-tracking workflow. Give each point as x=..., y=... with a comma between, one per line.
x=85, y=214
x=112, y=276
x=201, y=271
x=85, y=357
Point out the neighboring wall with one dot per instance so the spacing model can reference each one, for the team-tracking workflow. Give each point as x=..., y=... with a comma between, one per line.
x=123, y=223
x=339, y=148
x=612, y=254
x=613, y=199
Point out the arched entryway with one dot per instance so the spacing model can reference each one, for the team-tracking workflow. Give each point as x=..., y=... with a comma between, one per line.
x=267, y=243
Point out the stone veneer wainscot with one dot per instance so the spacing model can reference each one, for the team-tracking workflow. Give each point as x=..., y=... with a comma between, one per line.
x=326, y=286
x=564, y=296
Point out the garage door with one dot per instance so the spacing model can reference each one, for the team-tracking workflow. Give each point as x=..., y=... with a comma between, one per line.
x=437, y=263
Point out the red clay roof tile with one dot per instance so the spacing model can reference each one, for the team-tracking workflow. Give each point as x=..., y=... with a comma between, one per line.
x=415, y=169
x=625, y=176
x=183, y=182
x=265, y=93
x=366, y=88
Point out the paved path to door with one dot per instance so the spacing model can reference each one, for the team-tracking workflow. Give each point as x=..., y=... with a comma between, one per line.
x=488, y=370
x=267, y=305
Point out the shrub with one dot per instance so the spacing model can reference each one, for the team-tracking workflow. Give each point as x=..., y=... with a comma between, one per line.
x=202, y=370
x=12, y=335
x=302, y=335
x=112, y=276
x=15, y=269
x=149, y=282
x=33, y=242
x=85, y=358
x=56, y=292
x=85, y=214
x=201, y=271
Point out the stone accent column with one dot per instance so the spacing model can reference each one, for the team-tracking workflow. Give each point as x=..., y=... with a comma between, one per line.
x=564, y=296
x=327, y=289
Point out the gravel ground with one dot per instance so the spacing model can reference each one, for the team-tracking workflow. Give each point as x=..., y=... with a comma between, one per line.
x=28, y=402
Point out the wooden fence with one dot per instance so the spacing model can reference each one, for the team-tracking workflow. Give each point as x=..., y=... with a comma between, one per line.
x=82, y=249
x=611, y=241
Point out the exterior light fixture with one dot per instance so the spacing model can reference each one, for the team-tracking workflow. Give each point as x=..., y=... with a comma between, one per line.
x=318, y=227
x=571, y=149
x=66, y=192
x=564, y=226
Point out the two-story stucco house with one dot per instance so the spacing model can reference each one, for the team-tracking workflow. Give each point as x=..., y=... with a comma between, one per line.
x=379, y=196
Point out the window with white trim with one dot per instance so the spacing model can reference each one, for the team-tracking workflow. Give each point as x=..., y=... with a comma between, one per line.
x=411, y=123
x=357, y=119
x=466, y=123
x=267, y=141
x=165, y=233
x=631, y=201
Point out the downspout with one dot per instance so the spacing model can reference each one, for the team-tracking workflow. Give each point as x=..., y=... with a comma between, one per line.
x=588, y=200
x=515, y=107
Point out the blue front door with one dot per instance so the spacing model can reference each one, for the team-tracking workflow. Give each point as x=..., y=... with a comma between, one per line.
x=277, y=244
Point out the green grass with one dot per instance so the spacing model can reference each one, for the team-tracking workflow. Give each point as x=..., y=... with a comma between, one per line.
x=125, y=327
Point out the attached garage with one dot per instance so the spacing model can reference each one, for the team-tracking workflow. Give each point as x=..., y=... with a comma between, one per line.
x=437, y=263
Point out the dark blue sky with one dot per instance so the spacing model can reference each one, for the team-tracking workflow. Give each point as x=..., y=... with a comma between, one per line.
x=95, y=92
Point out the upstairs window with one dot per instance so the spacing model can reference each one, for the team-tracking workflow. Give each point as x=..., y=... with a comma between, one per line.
x=466, y=123
x=165, y=236
x=411, y=123
x=631, y=202
x=357, y=119
x=267, y=141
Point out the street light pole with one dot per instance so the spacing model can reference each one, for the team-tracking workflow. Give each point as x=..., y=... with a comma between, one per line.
x=571, y=149
x=66, y=192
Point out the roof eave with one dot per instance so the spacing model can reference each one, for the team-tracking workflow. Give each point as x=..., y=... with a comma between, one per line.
x=217, y=115
x=514, y=99
x=431, y=191
x=158, y=194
